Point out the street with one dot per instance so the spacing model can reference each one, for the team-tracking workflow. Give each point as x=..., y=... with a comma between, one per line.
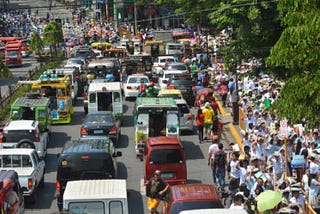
x=129, y=167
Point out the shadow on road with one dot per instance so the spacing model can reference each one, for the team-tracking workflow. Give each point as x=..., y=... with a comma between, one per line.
x=46, y=192
x=127, y=121
x=77, y=118
x=122, y=171
x=124, y=141
x=135, y=201
x=192, y=151
x=58, y=139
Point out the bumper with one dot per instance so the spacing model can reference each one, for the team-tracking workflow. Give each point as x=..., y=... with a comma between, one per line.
x=131, y=93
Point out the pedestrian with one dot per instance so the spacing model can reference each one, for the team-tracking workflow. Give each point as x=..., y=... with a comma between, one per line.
x=223, y=90
x=238, y=202
x=220, y=164
x=314, y=188
x=208, y=115
x=213, y=149
x=156, y=191
x=200, y=124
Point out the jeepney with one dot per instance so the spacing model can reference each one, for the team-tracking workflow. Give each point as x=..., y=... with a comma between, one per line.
x=118, y=53
x=58, y=90
x=101, y=45
x=105, y=96
x=102, y=69
x=154, y=117
x=32, y=107
x=135, y=64
x=154, y=47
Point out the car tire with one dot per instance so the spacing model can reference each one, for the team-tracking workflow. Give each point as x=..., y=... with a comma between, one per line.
x=33, y=197
x=41, y=184
x=26, y=144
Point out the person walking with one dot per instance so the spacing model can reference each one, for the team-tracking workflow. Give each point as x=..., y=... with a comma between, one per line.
x=213, y=149
x=156, y=191
x=208, y=115
x=200, y=124
x=220, y=162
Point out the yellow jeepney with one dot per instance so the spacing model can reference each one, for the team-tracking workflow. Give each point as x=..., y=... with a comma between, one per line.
x=58, y=90
x=101, y=45
x=154, y=47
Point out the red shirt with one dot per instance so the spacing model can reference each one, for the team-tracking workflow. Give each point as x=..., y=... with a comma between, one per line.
x=200, y=120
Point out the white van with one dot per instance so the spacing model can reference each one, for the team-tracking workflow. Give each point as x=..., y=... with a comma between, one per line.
x=174, y=48
x=96, y=196
x=105, y=96
x=214, y=211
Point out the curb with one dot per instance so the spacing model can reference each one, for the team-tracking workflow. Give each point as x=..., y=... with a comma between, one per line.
x=222, y=111
x=236, y=135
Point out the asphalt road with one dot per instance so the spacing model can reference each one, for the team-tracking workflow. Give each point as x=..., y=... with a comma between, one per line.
x=129, y=167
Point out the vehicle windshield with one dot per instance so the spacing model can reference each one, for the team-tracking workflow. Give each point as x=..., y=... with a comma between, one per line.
x=18, y=135
x=165, y=156
x=76, y=61
x=191, y=205
x=169, y=60
x=86, y=207
x=99, y=119
x=174, y=96
x=175, y=67
x=138, y=80
x=12, y=53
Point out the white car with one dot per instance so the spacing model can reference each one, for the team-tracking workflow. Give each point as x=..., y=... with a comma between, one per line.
x=185, y=115
x=132, y=83
x=160, y=62
x=25, y=134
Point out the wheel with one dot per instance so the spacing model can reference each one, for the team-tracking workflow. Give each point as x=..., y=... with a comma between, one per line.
x=41, y=184
x=26, y=144
x=33, y=196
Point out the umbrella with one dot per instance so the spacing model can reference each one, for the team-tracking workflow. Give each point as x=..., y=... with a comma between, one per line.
x=205, y=91
x=268, y=200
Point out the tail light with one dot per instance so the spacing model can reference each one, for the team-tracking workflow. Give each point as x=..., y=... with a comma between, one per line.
x=58, y=189
x=30, y=183
x=113, y=130
x=129, y=87
x=190, y=116
x=85, y=96
x=36, y=134
x=1, y=136
x=83, y=131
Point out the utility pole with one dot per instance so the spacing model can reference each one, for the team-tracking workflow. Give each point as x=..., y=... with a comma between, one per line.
x=135, y=18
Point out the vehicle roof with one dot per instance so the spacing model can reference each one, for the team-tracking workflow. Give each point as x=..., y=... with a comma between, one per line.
x=165, y=57
x=17, y=151
x=101, y=62
x=20, y=125
x=169, y=91
x=31, y=102
x=180, y=101
x=95, y=189
x=155, y=102
x=214, y=211
x=101, y=84
x=194, y=192
x=163, y=141
x=137, y=76
x=99, y=113
x=86, y=145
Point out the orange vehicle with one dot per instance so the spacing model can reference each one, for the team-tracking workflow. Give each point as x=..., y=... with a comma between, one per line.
x=13, y=53
x=9, y=186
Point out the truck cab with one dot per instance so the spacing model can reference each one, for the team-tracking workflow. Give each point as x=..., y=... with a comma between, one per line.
x=96, y=196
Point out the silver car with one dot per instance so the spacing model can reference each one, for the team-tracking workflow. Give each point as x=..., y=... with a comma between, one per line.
x=186, y=117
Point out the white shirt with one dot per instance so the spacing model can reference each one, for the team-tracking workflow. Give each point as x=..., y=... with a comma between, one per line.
x=243, y=173
x=213, y=149
x=314, y=168
x=299, y=201
x=235, y=172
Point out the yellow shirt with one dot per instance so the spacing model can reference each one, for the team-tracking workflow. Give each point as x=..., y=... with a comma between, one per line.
x=208, y=114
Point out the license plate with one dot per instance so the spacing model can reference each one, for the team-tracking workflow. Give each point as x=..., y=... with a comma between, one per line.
x=98, y=131
x=166, y=175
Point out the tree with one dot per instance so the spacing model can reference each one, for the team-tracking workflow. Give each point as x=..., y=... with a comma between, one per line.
x=255, y=25
x=53, y=35
x=297, y=50
x=36, y=44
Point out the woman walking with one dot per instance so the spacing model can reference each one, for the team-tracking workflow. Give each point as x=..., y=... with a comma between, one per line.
x=200, y=124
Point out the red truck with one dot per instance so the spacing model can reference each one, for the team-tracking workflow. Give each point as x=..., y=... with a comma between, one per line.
x=13, y=53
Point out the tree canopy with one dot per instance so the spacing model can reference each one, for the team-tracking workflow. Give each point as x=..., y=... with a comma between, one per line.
x=297, y=50
x=36, y=43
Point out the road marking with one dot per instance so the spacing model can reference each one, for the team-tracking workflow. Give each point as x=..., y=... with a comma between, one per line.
x=142, y=187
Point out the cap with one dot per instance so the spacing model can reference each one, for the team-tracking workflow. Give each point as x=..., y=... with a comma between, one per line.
x=295, y=189
x=157, y=172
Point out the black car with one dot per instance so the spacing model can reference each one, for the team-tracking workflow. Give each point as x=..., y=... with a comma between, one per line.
x=101, y=123
x=184, y=83
x=84, y=159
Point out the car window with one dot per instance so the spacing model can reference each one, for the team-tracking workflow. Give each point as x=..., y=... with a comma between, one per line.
x=165, y=156
x=183, y=82
x=18, y=135
x=177, y=67
x=183, y=108
x=115, y=207
x=174, y=96
x=26, y=161
x=87, y=207
x=133, y=80
x=99, y=119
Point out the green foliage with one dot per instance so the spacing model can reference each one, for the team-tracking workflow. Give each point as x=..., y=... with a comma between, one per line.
x=4, y=70
x=53, y=33
x=297, y=52
x=36, y=43
x=300, y=98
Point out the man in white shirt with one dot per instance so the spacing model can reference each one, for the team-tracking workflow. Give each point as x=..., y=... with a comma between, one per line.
x=212, y=150
x=297, y=199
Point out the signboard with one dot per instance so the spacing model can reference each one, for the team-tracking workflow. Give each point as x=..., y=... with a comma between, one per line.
x=284, y=128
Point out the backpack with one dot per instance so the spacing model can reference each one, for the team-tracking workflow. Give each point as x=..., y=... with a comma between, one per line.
x=219, y=160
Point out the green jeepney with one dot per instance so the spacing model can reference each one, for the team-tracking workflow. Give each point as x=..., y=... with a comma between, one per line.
x=32, y=107
x=154, y=117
